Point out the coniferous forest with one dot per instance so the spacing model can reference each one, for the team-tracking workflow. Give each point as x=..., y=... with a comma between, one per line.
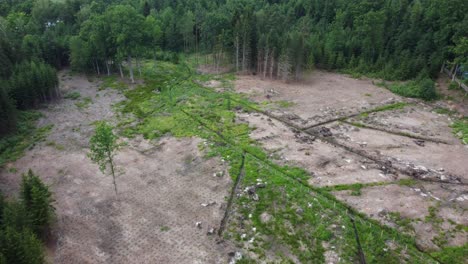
x=170, y=69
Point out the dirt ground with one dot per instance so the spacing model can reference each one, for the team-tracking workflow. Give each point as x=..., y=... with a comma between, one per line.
x=325, y=96
x=321, y=96
x=164, y=189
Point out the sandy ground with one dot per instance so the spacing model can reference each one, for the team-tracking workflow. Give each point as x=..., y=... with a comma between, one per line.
x=325, y=96
x=162, y=189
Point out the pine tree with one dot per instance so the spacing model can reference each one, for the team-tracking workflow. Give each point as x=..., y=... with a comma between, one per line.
x=36, y=198
x=7, y=111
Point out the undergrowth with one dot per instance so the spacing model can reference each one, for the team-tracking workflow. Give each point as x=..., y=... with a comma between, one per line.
x=460, y=129
x=26, y=136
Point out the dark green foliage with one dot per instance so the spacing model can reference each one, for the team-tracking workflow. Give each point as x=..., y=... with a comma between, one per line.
x=36, y=198
x=7, y=112
x=23, y=222
x=33, y=83
x=422, y=88
x=21, y=246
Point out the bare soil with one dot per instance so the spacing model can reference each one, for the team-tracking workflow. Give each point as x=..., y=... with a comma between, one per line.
x=164, y=189
x=323, y=97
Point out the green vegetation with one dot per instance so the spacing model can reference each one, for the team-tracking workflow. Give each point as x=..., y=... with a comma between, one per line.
x=25, y=223
x=103, y=147
x=452, y=254
x=73, y=95
x=390, y=107
x=113, y=83
x=460, y=129
x=25, y=137
x=84, y=103
x=422, y=88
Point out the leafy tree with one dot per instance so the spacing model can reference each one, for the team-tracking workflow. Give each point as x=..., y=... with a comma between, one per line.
x=103, y=147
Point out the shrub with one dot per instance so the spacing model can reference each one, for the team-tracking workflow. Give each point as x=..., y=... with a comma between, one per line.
x=427, y=89
x=421, y=88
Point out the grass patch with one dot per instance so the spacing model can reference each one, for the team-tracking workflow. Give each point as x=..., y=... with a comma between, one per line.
x=390, y=107
x=452, y=254
x=460, y=129
x=84, y=103
x=445, y=111
x=72, y=95
x=26, y=136
x=112, y=82
x=285, y=104
x=165, y=228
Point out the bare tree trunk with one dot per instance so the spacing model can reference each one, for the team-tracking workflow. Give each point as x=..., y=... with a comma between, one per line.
x=455, y=73
x=97, y=67
x=244, y=53
x=120, y=69
x=107, y=66
x=130, y=67
x=259, y=62
x=265, y=63
x=237, y=52
x=138, y=66
x=113, y=172
x=272, y=63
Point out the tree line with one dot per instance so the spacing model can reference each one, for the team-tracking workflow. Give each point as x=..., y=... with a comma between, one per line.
x=277, y=39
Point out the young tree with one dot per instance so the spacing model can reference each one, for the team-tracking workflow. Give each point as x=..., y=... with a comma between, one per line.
x=103, y=145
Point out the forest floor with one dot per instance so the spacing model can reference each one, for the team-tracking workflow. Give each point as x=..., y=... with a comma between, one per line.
x=284, y=171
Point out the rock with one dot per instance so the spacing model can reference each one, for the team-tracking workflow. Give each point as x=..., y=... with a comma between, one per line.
x=299, y=211
x=250, y=190
x=255, y=197
x=211, y=231
x=382, y=212
x=325, y=132
x=235, y=257
x=208, y=204
x=261, y=185
x=265, y=217
x=198, y=224
x=420, y=143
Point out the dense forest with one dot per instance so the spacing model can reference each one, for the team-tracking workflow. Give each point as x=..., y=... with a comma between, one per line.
x=390, y=39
